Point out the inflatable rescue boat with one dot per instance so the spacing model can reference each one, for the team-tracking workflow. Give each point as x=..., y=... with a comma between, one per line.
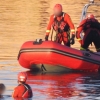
x=50, y=56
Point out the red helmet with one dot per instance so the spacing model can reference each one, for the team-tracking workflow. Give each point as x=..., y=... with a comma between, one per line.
x=58, y=7
x=22, y=76
x=90, y=16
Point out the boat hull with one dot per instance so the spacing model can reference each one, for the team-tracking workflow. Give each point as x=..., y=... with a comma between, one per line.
x=52, y=56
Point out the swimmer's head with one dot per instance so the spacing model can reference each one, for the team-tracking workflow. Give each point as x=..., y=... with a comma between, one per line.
x=2, y=88
x=22, y=77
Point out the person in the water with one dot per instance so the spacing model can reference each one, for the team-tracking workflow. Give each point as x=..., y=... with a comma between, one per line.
x=2, y=89
x=23, y=90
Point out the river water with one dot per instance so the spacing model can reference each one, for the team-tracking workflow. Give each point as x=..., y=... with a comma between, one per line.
x=23, y=20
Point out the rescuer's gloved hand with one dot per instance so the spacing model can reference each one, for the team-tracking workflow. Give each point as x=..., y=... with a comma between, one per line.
x=46, y=38
x=72, y=40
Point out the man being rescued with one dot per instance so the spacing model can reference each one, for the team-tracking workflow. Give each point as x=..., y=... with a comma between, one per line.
x=23, y=90
x=2, y=90
x=91, y=28
x=63, y=26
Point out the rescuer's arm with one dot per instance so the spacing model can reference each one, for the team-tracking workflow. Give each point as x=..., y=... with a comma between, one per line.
x=72, y=28
x=79, y=31
x=49, y=27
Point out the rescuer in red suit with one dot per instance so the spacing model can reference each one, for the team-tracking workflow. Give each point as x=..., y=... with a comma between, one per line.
x=91, y=28
x=63, y=26
x=23, y=90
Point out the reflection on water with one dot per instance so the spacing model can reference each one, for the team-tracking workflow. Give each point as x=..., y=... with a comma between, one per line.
x=80, y=86
x=69, y=86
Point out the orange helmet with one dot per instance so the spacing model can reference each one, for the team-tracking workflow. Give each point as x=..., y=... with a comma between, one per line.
x=58, y=7
x=90, y=16
x=22, y=76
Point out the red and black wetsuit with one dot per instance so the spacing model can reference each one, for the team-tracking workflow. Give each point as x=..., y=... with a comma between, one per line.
x=91, y=29
x=22, y=91
x=63, y=26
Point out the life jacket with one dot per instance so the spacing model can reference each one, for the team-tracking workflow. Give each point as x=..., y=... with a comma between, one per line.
x=91, y=23
x=60, y=26
x=28, y=92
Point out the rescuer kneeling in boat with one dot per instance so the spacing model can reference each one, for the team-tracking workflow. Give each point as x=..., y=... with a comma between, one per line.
x=61, y=23
x=23, y=90
x=91, y=28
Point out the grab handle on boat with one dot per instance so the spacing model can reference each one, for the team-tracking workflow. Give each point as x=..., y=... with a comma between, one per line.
x=87, y=54
x=38, y=41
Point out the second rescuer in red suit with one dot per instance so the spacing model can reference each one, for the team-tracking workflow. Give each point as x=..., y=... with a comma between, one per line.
x=91, y=28
x=23, y=90
x=62, y=24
